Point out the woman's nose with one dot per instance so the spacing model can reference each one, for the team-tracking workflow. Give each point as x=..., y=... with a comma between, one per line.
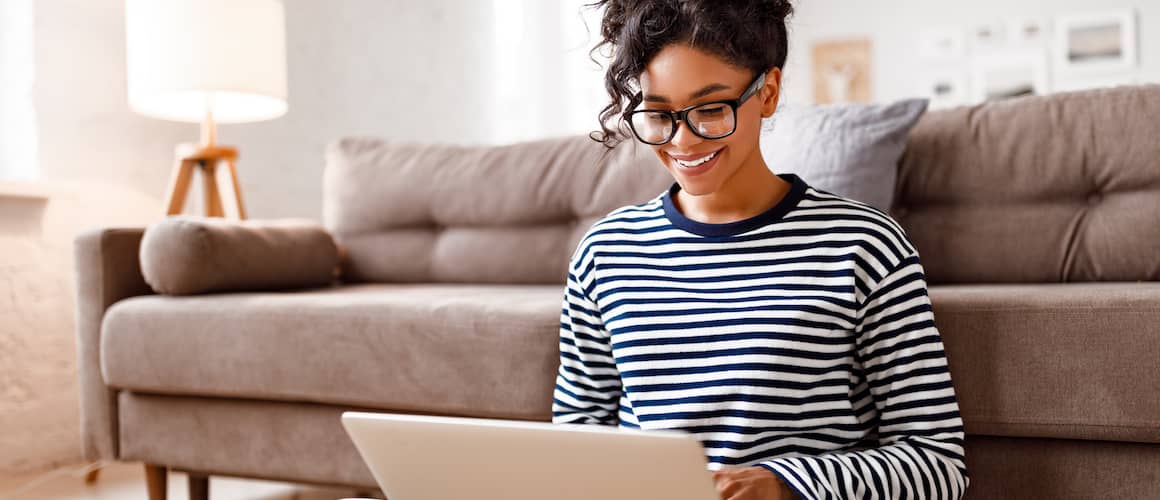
x=684, y=138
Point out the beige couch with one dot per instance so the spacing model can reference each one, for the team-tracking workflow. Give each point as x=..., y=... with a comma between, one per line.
x=1038, y=221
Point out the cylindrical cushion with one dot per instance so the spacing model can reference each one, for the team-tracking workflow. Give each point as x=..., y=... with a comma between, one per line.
x=186, y=255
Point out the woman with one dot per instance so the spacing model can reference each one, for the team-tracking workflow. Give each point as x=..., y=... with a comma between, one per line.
x=787, y=328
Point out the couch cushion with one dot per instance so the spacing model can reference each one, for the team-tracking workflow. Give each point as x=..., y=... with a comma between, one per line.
x=476, y=214
x=1043, y=189
x=467, y=350
x=847, y=149
x=1074, y=361
x=1054, y=360
x=191, y=254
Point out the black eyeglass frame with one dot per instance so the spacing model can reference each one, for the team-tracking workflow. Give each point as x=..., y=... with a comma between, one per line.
x=683, y=114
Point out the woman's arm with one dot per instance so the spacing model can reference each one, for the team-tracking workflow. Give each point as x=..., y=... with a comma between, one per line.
x=920, y=433
x=588, y=386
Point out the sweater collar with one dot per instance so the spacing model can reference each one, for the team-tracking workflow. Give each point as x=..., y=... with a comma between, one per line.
x=797, y=189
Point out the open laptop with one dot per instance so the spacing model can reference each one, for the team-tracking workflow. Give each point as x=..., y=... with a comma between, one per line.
x=417, y=457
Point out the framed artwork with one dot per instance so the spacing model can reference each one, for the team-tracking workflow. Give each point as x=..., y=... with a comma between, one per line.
x=945, y=89
x=1029, y=31
x=842, y=71
x=942, y=43
x=1009, y=74
x=1101, y=41
x=988, y=37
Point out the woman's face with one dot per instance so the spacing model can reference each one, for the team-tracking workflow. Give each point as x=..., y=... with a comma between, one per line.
x=681, y=76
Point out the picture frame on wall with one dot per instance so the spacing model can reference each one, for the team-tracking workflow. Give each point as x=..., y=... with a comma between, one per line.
x=942, y=43
x=1099, y=41
x=944, y=88
x=1013, y=73
x=1029, y=32
x=842, y=71
x=988, y=37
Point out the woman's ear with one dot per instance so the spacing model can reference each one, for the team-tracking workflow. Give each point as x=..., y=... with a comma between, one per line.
x=770, y=92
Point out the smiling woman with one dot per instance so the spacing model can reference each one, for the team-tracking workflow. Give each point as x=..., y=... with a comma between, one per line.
x=786, y=327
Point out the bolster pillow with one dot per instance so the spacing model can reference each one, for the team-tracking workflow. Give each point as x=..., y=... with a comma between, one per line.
x=186, y=255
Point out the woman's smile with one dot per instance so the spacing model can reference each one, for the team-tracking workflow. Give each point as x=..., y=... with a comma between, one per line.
x=694, y=165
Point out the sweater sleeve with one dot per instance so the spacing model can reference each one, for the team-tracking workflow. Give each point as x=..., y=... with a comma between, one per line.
x=588, y=386
x=920, y=433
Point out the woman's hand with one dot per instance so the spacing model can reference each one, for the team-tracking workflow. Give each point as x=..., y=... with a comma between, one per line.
x=751, y=483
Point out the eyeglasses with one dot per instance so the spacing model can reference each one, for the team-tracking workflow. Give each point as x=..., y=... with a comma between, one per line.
x=710, y=120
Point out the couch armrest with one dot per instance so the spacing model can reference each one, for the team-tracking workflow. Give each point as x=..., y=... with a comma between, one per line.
x=108, y=269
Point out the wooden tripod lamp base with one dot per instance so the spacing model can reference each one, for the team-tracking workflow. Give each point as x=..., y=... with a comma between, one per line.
x=219, y=173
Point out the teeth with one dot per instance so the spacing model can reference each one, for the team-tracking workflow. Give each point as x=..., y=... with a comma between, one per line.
x=691, y=164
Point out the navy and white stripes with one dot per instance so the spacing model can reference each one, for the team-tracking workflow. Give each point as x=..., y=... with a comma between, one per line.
x=800, y=340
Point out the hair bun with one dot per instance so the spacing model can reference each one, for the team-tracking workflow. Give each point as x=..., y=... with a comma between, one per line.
x=616, y=14
x=779, y=9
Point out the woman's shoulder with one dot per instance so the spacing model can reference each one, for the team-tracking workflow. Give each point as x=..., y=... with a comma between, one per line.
x=619, y=222
x=852, y=217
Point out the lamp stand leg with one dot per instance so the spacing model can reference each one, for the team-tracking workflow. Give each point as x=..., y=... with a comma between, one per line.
x=213, y=198
x=178, y=186
x=222, y=193
x=236, y=189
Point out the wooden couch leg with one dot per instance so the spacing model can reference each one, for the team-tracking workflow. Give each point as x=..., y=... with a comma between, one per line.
x=198, y=487
x=156, y=481
x=93, y=474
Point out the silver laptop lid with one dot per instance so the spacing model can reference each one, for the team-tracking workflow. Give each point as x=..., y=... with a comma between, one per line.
x=448, y=458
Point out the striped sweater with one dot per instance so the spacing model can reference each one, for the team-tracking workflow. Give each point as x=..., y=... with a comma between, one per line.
x=800, y=340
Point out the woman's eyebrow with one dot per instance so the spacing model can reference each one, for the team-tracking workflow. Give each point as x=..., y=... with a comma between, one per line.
x=708, y=89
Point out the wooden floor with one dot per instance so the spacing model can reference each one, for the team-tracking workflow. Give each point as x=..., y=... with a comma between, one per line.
x=127, y=481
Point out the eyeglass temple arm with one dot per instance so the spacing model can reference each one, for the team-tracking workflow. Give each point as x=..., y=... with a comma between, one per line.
x=632, y=104
x=754, y=87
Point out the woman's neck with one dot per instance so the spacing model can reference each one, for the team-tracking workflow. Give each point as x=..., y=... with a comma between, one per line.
x=751, y=190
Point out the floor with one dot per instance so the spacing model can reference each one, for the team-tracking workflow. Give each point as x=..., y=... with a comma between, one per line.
x=127, y=481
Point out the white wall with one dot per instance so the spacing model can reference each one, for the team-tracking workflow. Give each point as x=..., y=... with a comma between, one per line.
x=542, y=82
x=893, y=27
x=102, y=165
x=17, y=116
x=402, y=69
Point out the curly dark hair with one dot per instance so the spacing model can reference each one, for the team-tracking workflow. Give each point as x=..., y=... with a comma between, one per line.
x=751, y=34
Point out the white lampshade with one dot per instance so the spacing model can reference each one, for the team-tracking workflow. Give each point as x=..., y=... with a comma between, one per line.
x=187, y=57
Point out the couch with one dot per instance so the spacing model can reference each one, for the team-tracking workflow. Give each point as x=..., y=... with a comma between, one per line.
x=1037, y=219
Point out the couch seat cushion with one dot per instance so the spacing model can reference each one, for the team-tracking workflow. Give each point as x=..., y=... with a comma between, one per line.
x=1065, y=360
x=1072, y=361
x=480, y=350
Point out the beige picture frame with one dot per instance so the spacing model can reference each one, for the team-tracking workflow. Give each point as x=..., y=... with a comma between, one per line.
x=842, y=71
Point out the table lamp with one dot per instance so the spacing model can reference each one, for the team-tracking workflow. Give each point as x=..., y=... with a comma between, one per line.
x=208, y=62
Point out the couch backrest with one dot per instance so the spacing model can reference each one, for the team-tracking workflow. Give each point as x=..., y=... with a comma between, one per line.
x=1058, y=188
x=476, y=214
x=1041, y=189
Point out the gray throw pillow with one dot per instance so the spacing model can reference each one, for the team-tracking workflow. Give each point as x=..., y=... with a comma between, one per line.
x=851, y=150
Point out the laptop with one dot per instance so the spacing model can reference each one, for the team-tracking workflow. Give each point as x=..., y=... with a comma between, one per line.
x=418, y=457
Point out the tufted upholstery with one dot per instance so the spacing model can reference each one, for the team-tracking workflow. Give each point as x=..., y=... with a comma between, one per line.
x=1062, y=188
x=1051, y=189
x=476, y=214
